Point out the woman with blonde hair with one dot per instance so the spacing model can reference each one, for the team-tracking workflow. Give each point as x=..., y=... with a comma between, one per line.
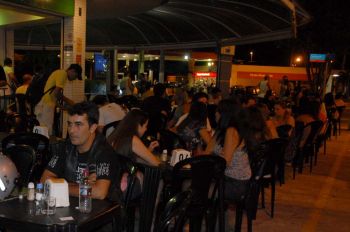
x=283, y=115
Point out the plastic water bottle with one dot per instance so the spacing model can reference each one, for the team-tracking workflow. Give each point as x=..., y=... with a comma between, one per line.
x=85, y=204
x=38, y=198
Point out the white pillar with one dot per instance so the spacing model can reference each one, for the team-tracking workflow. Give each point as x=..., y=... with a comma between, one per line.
x=73, y=44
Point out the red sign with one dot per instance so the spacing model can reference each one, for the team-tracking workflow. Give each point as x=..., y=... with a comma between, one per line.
x=275, y=76
x=205, y=74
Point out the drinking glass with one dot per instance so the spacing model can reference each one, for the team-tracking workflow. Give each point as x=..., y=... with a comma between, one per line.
x=48, y=205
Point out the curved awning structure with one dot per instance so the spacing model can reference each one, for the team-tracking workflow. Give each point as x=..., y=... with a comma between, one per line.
x=176, y=24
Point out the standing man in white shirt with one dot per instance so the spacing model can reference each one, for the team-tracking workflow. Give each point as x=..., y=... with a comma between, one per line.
x=264, y=86
x=109, y=112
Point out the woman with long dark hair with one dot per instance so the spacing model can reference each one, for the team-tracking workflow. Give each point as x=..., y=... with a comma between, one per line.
x=193, y=128
x=240, y=131
x=126, y=138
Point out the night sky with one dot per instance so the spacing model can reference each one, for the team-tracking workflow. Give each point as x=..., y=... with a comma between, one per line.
x=328, y=32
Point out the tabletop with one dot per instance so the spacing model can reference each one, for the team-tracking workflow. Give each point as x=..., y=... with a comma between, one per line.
x=15, y=215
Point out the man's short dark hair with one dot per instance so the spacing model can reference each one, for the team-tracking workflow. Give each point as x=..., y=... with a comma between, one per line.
x=100, y=100
x=77, y=68
x=215, y=92
x=7, y=61
x=88, y=108
x=159, y=89
x=199, y=95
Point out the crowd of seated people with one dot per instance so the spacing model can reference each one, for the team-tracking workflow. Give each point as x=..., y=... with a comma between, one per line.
x=242, y=122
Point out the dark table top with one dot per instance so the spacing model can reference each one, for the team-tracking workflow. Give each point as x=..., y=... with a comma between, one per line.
x=15, y=215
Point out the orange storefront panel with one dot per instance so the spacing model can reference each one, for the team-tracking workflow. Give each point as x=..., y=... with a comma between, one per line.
x=276, y=76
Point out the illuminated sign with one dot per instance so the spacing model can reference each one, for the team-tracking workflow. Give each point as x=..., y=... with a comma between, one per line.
x=318, y=58
x=205, y=74
x=63, y=7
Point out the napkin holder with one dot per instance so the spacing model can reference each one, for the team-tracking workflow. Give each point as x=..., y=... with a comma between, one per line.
x=179, y=154
x=58, y=188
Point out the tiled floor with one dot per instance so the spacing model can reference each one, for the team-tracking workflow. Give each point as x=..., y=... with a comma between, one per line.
x=319, y=201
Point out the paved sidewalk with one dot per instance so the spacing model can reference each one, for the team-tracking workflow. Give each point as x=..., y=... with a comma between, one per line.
x=319, y=201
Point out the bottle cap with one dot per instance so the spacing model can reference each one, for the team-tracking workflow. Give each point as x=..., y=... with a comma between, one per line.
x=30, y=185
x=39, y=185
x=165, y=151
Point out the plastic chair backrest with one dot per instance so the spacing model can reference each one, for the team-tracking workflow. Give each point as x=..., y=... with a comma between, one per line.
x=38, y=142
x=258, y=162
x=203, y=171
x=316, y=126
x=21, y=122
x=283, y=130
x=129, y=167
x=109, y=126
x=175, y=209
x=151, y=179
x=23, y=156
x=275, y=154
x=17, y=123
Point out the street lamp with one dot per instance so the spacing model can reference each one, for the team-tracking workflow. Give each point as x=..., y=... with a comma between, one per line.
x=297, y=61
x=251, y=56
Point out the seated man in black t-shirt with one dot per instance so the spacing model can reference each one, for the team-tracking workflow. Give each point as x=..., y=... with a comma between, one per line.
x=85, y=150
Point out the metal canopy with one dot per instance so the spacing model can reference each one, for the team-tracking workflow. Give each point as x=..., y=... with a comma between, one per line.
x=176, y=24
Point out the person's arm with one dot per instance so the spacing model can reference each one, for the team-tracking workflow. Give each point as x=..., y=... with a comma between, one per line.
x=58, y=92
x=99, y=187
x=54, y=168
x=205, y=135
x=291, y=121
x=210, y=146
x=143, y=152
x=60, y=81
x=272, y=129
x=12, y=77
x=68, y=100
x=173, y=129
x=230, y=145
x=47, y=175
